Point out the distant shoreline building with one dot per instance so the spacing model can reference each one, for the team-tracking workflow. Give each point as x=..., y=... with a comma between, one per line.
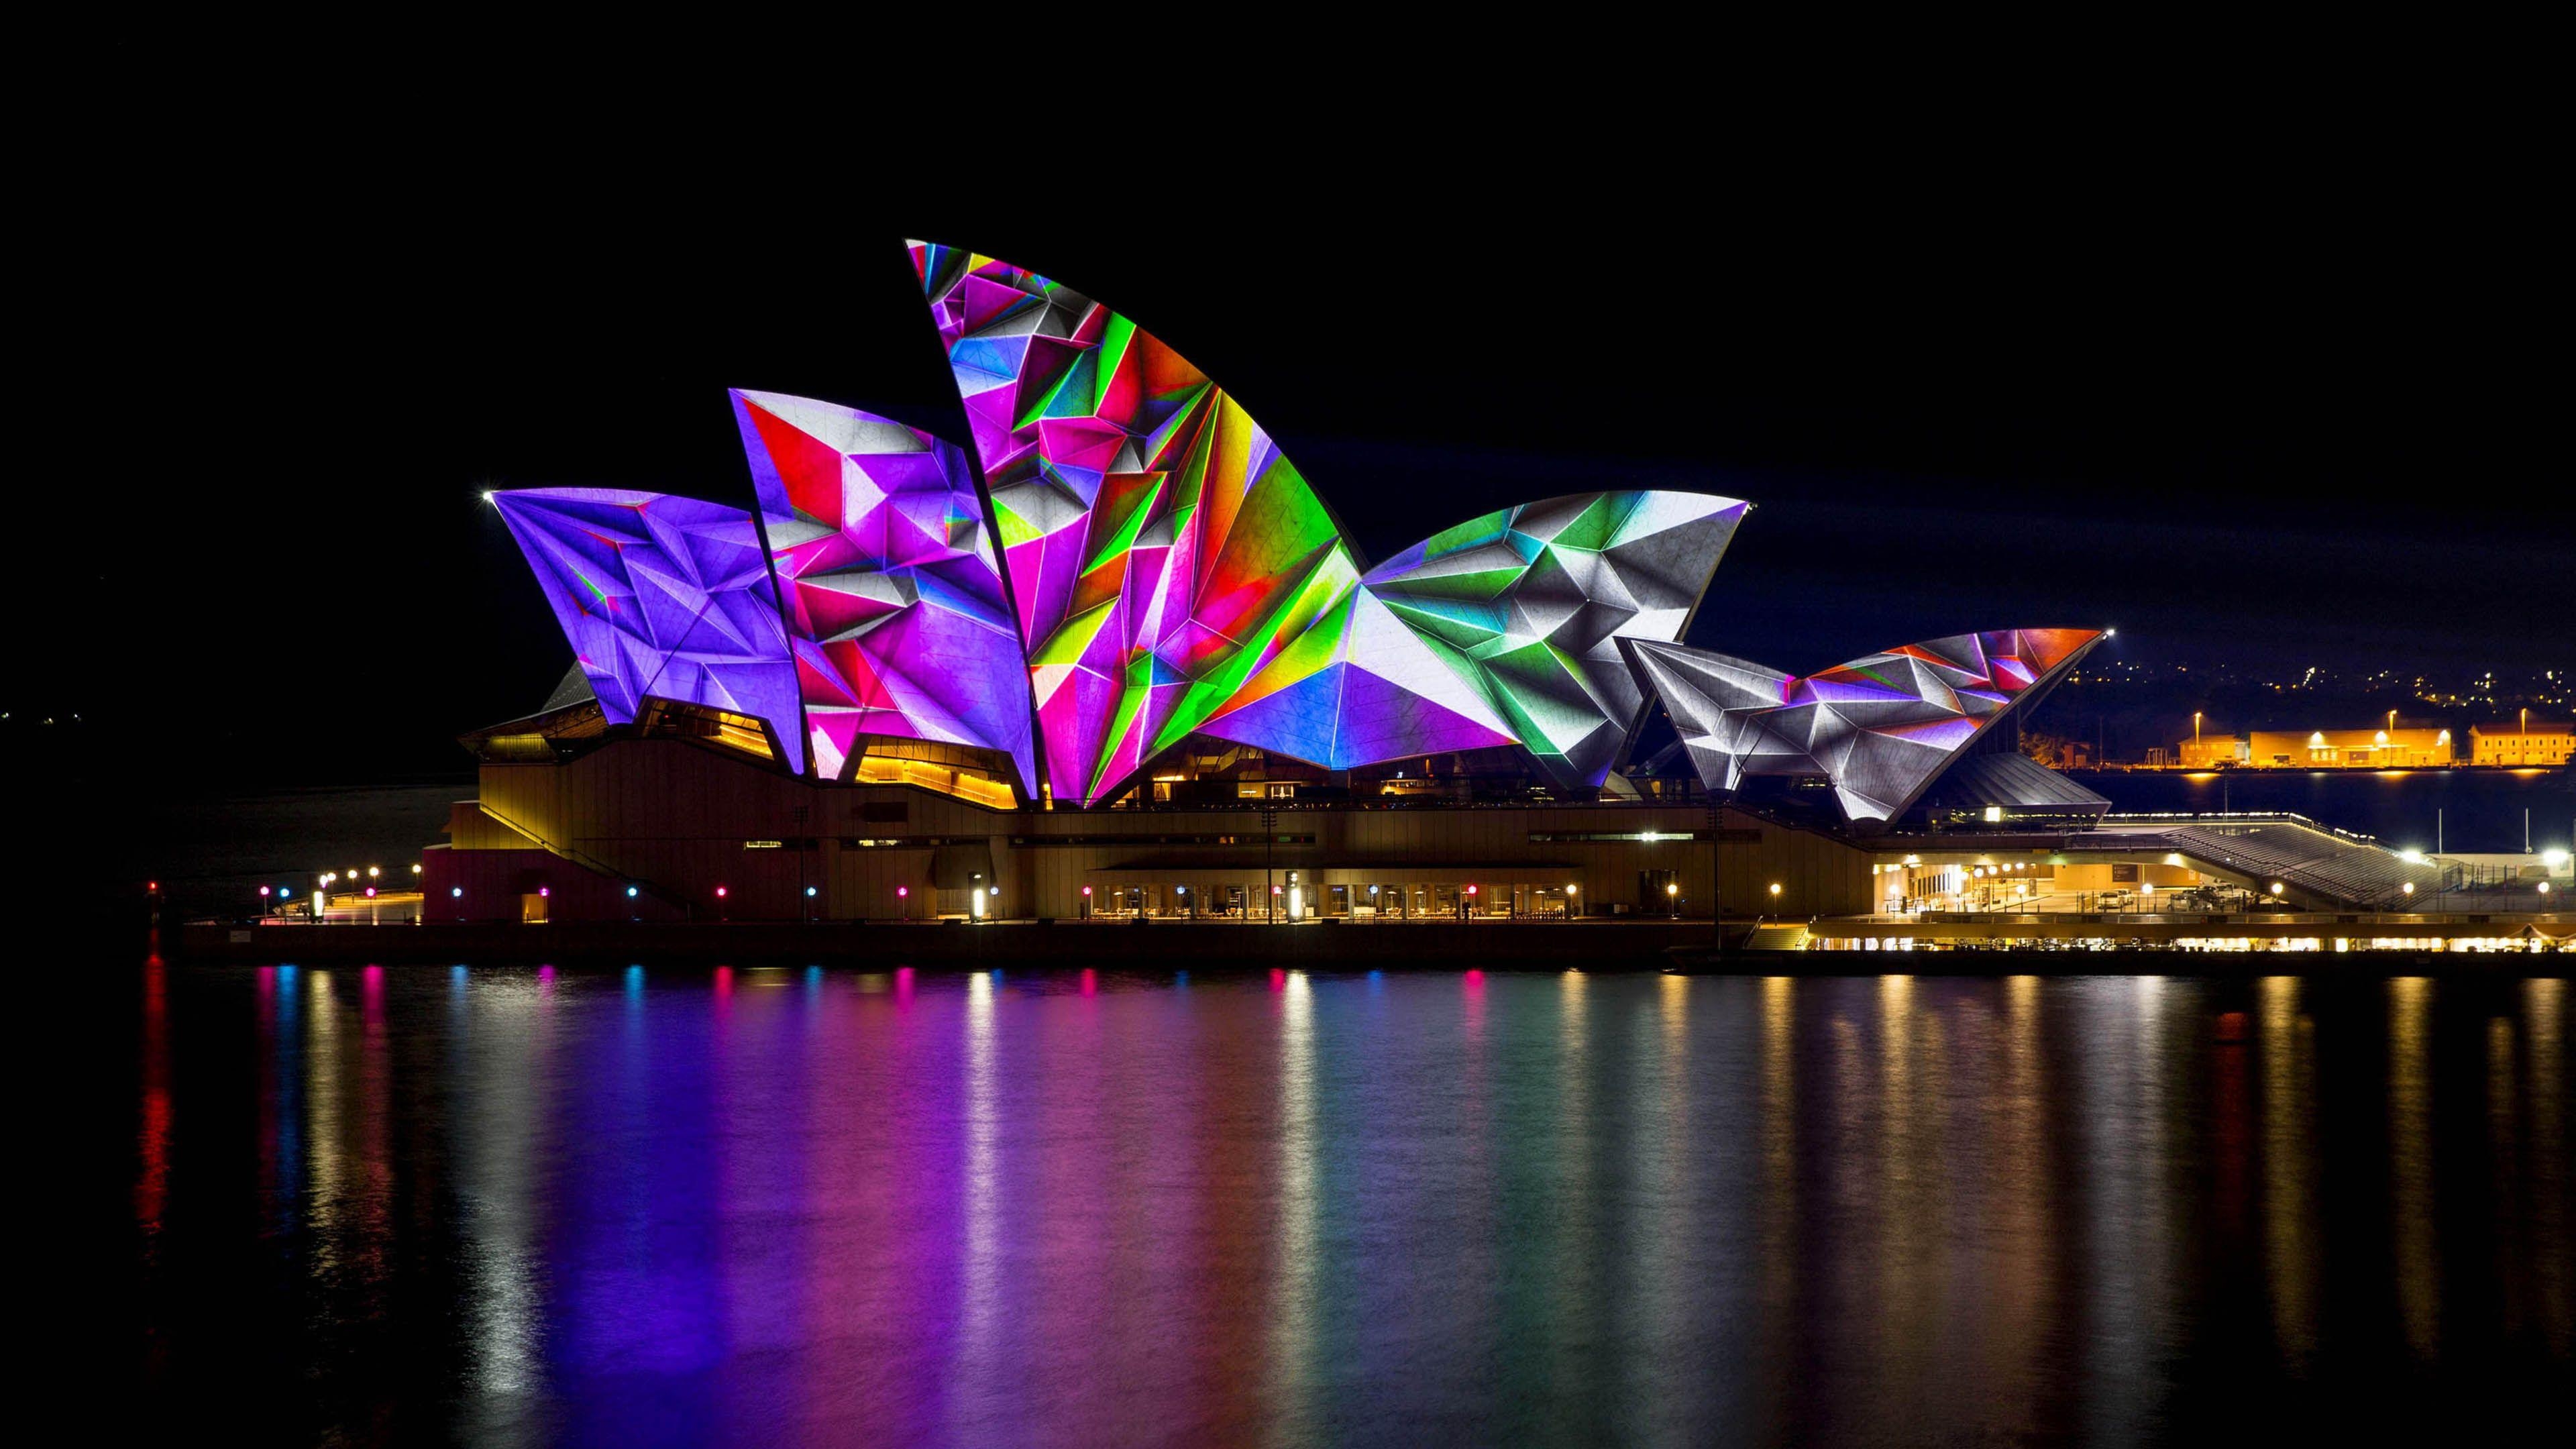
x=2530, y=743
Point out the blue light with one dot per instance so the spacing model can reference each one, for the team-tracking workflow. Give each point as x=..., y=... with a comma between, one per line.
x=630, y=893
x=809, y=892
x=455, y=892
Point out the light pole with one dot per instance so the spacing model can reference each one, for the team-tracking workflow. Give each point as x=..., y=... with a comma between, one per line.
x=1716, y=867
x=1269, y=840
x=804, y=892
x=1673, y=897
x=1573, y=901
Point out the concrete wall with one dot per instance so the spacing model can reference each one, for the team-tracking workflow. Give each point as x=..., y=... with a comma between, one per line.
x=676, y=816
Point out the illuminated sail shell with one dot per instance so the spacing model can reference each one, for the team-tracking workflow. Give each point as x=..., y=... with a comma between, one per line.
x=1500, y=631
x=661, y=597
x=1880, y=728
x=1173, y=573
x=893, y=596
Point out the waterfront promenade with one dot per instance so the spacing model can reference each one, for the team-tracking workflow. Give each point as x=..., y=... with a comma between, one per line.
x=2133, y=945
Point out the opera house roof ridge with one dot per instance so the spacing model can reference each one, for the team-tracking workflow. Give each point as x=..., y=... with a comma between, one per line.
x=1120, y=559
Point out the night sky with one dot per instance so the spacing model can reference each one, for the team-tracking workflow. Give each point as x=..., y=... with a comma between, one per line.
x=2247, y=411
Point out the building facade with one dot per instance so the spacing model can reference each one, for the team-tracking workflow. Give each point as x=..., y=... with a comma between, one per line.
x=2370, y=749
x=1115, y=657
x=2522, y=743
x=677, y=828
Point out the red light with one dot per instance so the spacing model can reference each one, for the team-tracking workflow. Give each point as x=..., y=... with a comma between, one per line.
x=1471, y=890
x=1086, y=890
x=152, y=885
x=720, y=890
x=263, y=891
x=371, y=893
x=901, y=891
x=542, y=891
x=1274, y=890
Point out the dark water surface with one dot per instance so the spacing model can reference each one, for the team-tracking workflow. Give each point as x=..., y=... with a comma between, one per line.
x=805, y=1205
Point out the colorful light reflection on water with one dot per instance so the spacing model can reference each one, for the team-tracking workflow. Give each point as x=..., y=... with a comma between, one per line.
x=808, y=1205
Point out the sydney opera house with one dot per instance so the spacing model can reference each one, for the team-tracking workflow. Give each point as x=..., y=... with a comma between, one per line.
x=1116, y=656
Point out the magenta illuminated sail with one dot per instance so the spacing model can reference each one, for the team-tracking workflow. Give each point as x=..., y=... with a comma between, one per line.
x=893, y=597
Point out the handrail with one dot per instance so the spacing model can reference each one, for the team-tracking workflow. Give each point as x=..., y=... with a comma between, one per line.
x=659, y=892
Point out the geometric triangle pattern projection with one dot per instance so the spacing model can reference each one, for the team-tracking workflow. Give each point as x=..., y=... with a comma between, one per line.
x=1160, y=548
x=887, y=578
x=1500, y=631
x=1533, y=600
x=661, y=596
x=1880, y=729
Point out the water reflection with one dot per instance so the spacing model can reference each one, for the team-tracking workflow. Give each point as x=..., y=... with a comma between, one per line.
x=2410, y=1158
x=2289, y=1153
x=812, y=1205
